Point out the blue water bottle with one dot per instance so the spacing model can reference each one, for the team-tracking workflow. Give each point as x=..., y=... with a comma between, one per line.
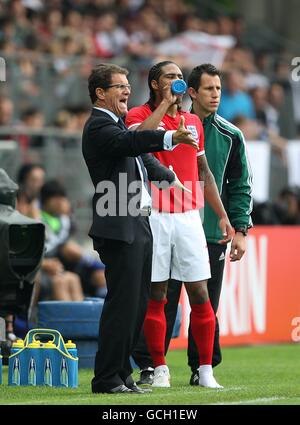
x=49, y=351
x=72, y=365
x=34, y=362
x=14, y=363
x=71, y=347
x=178, y=87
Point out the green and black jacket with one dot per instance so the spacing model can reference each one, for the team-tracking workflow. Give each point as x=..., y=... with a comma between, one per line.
x=226, y=154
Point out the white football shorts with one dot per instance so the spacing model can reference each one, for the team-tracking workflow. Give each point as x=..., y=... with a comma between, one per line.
x=179, y=247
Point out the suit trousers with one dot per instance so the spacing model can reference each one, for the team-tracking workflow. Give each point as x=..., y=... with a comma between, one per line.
x=128, y=277
x=141, y=355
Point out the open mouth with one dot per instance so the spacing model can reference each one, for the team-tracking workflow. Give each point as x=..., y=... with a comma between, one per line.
x=124, y=101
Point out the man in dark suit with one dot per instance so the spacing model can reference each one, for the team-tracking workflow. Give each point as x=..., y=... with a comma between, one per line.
x=120, y=228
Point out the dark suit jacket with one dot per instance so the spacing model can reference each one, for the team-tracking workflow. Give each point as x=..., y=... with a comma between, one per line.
x=110, y=150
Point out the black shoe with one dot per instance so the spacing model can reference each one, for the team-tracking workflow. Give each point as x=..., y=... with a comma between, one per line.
x=194, y=378
x=139, y=390
x=120, y=389
x=146, y=377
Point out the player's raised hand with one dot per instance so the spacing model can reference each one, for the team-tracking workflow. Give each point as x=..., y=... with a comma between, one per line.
x=183, y=135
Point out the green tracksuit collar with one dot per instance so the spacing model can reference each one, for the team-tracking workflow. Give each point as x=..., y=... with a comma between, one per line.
x=208, y=119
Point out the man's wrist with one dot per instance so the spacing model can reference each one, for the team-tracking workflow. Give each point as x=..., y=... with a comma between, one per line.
x=168, y=140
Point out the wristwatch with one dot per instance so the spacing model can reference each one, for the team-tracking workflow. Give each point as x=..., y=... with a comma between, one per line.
x=242, y=229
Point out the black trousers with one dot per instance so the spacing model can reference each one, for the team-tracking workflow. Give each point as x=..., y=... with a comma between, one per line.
x=141, y=355
x=128, y=277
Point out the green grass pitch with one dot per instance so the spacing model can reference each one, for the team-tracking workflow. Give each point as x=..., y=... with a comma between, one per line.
x=250, y=375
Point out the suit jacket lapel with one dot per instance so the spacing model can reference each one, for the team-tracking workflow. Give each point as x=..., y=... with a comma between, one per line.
x=122, y=125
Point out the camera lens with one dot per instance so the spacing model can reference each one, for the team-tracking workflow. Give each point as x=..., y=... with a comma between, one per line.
x=19, y=240
x=25, y=247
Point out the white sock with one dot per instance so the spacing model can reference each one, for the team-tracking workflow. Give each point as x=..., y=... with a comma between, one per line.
x=206, y=369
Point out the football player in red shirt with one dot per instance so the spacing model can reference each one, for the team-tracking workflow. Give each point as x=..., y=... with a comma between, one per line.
x=179, y=244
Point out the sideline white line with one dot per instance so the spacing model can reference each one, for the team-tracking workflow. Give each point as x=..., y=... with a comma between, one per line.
x=203, y=390
x=255, y=400
x=220, y=390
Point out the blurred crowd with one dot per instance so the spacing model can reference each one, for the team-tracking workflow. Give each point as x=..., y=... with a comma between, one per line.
x=50, y=48
x=68, y=271
x=285, y=210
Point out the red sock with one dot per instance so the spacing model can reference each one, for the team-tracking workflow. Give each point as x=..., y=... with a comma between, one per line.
x=203, y=323
x=155, y=327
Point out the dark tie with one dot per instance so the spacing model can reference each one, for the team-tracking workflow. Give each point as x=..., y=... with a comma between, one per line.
x=121, y=124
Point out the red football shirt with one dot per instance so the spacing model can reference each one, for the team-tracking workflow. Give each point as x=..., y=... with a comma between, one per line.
x=183, y=158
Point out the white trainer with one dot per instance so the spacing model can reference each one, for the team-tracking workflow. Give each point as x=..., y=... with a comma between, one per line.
x=209, y=381
x=161, y=377
x=206, y=377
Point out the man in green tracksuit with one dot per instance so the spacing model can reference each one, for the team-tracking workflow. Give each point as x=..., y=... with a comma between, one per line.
x=226, y=155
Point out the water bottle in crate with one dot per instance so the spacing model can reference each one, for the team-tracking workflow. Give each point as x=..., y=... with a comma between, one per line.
x=73, y=372
x=14, y=366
